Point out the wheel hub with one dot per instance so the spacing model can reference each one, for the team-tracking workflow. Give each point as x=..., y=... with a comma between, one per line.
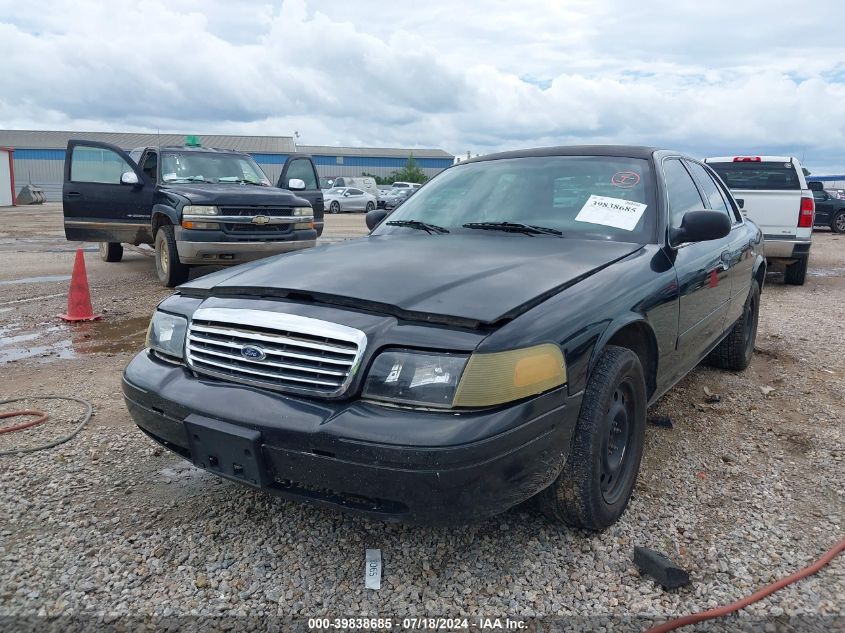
x=619, y=425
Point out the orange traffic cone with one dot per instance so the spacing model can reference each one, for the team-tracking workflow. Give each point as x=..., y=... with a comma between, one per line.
x=79, y=298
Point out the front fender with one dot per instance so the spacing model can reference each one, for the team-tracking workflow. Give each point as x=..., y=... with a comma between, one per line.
x=161, y=211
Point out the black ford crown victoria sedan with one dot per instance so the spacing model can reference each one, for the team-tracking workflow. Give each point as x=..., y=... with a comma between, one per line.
x=497, y=337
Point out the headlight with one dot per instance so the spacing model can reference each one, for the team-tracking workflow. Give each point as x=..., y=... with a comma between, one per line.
x=200, y=209
x=167, y=334
x=452, y=380
x=415, y=378
x=302, y=211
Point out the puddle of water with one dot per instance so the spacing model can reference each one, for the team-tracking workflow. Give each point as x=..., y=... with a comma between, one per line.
x=35, y=280
x=70, y=341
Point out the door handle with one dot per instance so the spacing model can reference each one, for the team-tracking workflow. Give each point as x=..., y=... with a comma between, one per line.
x=72, y=194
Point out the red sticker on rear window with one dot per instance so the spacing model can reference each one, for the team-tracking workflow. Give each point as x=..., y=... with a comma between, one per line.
x=625, y=179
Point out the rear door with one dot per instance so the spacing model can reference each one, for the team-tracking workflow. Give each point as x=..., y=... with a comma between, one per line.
x=97, y=205
x=771, y=192
x=302, y=167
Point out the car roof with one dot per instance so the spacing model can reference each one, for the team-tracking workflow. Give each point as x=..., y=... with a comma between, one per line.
x=628, y=151
x=188, y=148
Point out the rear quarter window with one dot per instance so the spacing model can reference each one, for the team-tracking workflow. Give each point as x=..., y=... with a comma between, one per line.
x=758, y=175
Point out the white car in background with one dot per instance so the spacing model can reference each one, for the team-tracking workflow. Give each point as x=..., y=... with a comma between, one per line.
x=348, y=200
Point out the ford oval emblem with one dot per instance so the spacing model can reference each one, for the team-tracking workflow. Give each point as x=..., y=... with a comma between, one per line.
x=252, y=352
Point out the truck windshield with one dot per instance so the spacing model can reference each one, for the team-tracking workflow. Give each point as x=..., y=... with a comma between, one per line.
x=591, y=197
x=758, y=175
x=211, y=167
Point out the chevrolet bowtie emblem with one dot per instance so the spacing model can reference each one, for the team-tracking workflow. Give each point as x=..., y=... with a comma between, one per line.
x=260, y=219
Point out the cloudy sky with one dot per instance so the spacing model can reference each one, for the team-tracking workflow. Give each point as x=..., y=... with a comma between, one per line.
x=717, y=77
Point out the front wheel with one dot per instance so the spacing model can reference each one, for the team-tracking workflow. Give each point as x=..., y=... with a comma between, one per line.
x=370, y=207
x=796, y=274
x=595, y=485
x=171, y=272
x=837, y=225
x=111, y=251
x=736, y=349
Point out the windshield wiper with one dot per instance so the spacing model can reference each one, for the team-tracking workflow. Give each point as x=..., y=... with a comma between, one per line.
x=417, y=224
x=513, y=227
x=242, y=181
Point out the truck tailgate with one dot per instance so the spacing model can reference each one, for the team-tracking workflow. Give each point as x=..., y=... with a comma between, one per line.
x=775, y=212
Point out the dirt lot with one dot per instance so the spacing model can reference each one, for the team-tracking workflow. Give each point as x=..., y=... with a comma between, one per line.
x=740, y=491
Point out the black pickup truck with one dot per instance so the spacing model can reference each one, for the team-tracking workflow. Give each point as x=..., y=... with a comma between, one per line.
x=196, y=205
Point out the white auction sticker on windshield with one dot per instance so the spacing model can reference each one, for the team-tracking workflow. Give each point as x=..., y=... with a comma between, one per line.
x=621, y=214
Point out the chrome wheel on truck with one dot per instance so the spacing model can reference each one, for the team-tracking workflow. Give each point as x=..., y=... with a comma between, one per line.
x=171, y=272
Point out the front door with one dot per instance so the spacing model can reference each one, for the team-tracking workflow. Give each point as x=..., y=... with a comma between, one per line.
x=824, y=208
x=106, y=197
x=302, y=167
x=703, y=271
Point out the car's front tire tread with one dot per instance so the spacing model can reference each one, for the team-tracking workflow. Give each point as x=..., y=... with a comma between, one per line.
x=575, y=497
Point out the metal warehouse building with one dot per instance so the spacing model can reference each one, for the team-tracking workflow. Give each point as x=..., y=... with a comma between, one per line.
x=39, y=156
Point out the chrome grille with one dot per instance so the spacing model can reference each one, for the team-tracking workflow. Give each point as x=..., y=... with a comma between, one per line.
x=286, y=352
x=268, y=211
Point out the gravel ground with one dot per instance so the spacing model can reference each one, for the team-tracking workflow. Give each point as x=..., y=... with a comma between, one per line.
x=740, y=492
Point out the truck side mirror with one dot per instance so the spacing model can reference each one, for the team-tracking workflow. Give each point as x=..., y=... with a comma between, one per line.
x=815, y=185
x=129, y=178
x=296, y=184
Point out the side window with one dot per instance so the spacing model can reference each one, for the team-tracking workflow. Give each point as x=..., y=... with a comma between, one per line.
x=734, y=211
x=302, y=169
x=711, y=191
x=96, y=164
x=681, y=191
x=355, y=192
x=150, y=166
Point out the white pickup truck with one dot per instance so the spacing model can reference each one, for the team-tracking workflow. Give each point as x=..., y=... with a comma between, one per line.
x=772, y=191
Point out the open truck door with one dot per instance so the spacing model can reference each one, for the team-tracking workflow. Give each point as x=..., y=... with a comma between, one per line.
x=301, y=167
x=106, y=197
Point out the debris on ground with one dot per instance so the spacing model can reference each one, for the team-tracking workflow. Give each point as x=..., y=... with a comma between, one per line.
x=664, y=571
x=663, y=421
x=711, y=397
x=766, y=390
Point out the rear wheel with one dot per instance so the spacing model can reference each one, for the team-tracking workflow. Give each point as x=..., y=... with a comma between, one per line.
x=334, y=207
x=837, y=224
x=595, y=485
x=735, y=351
x=795, y=274
x=171, y=272
x=111, y=251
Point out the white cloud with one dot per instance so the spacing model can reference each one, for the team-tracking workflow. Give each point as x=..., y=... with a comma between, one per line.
x=721, y=77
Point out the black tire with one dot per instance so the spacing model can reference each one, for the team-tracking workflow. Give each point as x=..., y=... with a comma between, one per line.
x=370, y=207
x=837, y=224
x=796, y=274
x=595, y=485
x=111, y=251
x=171, y=272
x=334, y=207
x=735, y=351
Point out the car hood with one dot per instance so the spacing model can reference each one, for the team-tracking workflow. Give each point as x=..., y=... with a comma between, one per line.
x=468, y=280
x=233, y=194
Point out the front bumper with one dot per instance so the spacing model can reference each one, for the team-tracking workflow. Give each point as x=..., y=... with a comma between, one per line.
x=789, y=248
x=396, y=464
x=236, y=252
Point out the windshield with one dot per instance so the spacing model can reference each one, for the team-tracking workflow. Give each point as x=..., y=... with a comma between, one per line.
x=592, y=197
x=211, y=167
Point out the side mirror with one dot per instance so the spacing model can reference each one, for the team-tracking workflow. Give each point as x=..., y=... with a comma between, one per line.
x=346, y=194
x=374, y=217
x=701, y=226
x=129, y=178
x=740, y=202
x=296, y=184
x=816, y=185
